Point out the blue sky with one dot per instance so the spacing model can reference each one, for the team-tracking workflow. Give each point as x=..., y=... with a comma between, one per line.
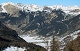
x=45, y=2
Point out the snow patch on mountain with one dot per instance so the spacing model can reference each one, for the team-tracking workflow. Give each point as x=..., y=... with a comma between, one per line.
x=72, y=35
x=33, y=7
x=68, y=38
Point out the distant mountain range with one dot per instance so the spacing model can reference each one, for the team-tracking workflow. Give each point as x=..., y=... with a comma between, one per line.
x=45, y=21
x=33, y=7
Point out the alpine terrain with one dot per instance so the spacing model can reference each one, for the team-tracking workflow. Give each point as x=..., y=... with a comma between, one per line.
x=52, y=27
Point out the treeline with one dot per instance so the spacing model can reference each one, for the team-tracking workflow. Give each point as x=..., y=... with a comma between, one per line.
x=73, y=45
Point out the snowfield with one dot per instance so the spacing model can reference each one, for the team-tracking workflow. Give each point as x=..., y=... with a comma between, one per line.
x=42, y=41
x=14, y=49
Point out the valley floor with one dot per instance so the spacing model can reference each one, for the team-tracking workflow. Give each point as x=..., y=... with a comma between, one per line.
x=42, y=41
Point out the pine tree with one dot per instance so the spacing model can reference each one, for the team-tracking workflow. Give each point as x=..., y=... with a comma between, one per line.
x=54, y=45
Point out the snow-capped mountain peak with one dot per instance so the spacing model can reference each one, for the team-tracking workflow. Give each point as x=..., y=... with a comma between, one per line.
x=4, y=4
x=8, y=3
x=33, y=7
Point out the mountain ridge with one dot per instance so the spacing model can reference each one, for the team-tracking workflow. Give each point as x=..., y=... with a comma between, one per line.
x=34, y=7
x=46, y=22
